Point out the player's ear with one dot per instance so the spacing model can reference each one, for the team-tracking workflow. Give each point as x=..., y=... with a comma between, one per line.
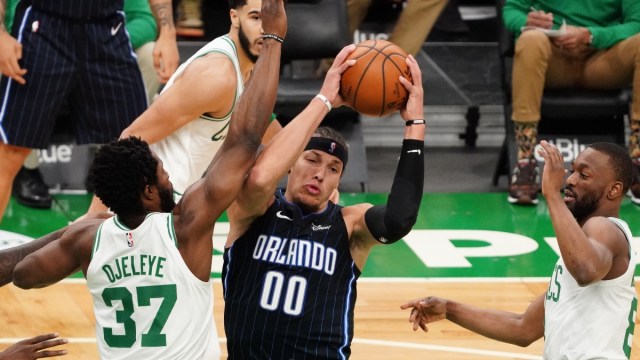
x=235, y=20
x=149, y=192
x=615, y=190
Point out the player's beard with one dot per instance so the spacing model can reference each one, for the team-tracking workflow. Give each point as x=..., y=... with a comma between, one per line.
x=245, y=44
x=583, y=205
x=166, y=200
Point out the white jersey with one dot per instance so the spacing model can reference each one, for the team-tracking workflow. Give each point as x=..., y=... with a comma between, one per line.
x=591, y=322
x=147, y=303
x=188, y=151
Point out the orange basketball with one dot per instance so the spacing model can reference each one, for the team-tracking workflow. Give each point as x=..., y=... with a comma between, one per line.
x=371, y=85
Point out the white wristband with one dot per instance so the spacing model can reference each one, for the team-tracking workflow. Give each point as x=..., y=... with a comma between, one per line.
x=325, y=101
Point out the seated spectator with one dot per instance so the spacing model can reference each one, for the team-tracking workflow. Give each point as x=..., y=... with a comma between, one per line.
x=600, y=50
x=413, y=26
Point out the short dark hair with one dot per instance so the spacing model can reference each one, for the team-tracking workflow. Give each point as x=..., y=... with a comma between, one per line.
x=120, y=172
x=619, y=160
x=236, y=4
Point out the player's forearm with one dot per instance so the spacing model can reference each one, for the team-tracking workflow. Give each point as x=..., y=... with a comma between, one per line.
x=494, y=324
x=575, y=247
x=9, y=258
x=33, y=273
x=163, y=12
x=3, y=7
x=252, y=113
x=285, y=148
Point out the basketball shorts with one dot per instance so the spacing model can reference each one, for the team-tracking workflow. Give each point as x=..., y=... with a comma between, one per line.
x=88, y=65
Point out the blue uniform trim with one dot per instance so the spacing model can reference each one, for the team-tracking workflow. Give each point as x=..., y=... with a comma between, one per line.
x=85, y=67
x=10, y=81
x=345, y=320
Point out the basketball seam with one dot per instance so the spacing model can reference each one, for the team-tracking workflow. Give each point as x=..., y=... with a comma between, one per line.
x=355, y=93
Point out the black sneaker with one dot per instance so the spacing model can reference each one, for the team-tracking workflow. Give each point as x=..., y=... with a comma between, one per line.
x=635, y=184
x=523, y=188
x=30, y=190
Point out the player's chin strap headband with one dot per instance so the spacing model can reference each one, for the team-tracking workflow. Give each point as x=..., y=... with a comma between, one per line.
x=329, y=146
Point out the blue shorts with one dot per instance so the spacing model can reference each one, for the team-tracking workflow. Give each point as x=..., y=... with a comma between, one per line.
x=87, y=64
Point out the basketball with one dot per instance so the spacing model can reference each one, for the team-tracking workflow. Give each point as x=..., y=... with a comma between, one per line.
x=371, y=85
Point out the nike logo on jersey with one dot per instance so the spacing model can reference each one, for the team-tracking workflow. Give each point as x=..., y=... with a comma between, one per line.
x=114, y=30
x=315, y=227
x=414, y=151
x=282, y=216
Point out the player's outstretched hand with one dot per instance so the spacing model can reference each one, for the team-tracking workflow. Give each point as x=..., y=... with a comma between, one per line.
x=426, y=310
x=554, y=171
x=414, y=108
x=331, y=86
x=274, y=18
x=34, y=348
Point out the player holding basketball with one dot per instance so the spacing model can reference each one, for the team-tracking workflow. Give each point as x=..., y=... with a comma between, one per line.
x=148, y=268
x=293, y=257
x=588, y=311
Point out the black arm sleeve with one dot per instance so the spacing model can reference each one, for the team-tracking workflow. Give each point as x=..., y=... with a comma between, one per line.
x=390, y=223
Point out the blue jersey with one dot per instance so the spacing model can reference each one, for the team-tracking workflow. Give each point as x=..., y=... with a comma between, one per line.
x=290, y=286
x=79, y=9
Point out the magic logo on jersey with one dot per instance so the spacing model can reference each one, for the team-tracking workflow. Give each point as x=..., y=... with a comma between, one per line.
x=295, y=252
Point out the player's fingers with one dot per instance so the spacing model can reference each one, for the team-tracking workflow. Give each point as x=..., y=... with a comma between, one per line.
x=410, y=303
x=50, y=353
x=343, y=54
x=49, y=343
x=413, y=315
x=423, y=326
x=550, y=149
x=406, y=83
x=406, y=306
x=416, y=73
x=553, y=156
x=39, y=338
x=156, y=61
x=16, y=73
x=19, y=51
x=415, y=326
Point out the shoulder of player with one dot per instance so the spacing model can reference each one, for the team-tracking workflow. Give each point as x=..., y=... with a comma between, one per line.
x=212, y=63
x=216, y=73
x=603, y=230
x=81, y=233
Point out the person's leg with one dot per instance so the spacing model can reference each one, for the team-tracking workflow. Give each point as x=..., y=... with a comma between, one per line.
x=356, y=12
x=536, y=64
x=149, y=76
x=415, y=23
x=29, y=188
x=11, y=159
x=27, y=111
x=616, y=68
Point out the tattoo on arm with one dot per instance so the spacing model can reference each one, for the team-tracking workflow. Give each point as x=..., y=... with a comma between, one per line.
x=163, y=13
